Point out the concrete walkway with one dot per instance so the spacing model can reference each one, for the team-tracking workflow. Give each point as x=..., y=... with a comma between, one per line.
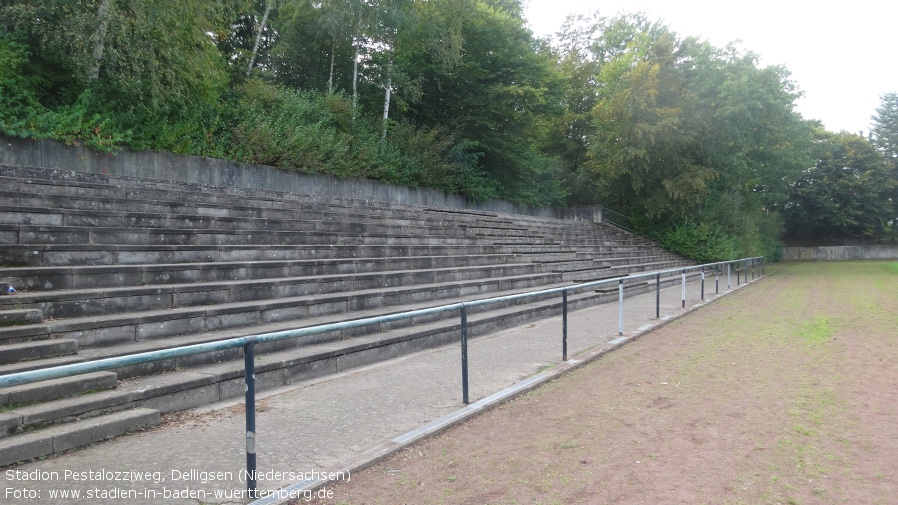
x=335, y=423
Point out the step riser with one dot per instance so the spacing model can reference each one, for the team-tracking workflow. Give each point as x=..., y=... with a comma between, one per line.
x=132, y=330
x=219, y=293
x=16, y=317
x=203, y=225
x=89, y=407
x=65, y=437
x=123, y=276
x=46, y=235
x=37, y=350
x=176, y=201
x=57, y=388
x=96, y=255
x=619, y=271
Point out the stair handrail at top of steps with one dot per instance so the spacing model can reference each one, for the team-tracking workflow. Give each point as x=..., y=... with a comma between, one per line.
x=248, y=342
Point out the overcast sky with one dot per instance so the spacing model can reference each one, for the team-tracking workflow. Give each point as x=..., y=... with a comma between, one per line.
x=842, y=55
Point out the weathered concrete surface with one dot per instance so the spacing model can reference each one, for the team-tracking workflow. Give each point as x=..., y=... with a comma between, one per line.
x=838, y=253
x=213, y=172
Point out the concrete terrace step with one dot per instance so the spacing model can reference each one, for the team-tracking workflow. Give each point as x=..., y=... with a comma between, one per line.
x=493, y=221
x=29, y=351
x=108, y=276
x=76, y=434
x=70, y=221
x=630, y=259
x=24, y=419
x=607, y=272
x=38, y=235
x=17, y=317
x=43, y=362
x=112, y=300
x=98, y=330
x=504, y=222
x=18, y=256
x=57, y=388
x=299, y=220
x=172, y=202
x=101, y=188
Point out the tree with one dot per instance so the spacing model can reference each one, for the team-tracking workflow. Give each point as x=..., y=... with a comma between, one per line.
x=844, y=195
x=756, y=141
x=491, y=96
x=646, y=157
x=885, y=128
x=680, y=135
x=99, y=39
x=269, y=5
x=568, y=133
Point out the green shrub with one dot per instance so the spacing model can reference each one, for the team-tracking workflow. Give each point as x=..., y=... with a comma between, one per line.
x=702, y=242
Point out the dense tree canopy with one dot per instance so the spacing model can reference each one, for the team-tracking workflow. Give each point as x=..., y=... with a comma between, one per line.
x=845, y=194
x=700, y=141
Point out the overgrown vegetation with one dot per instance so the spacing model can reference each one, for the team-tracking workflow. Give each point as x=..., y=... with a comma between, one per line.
x=682, y=136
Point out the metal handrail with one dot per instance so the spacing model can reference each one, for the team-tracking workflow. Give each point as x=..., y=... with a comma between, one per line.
x=248, y=342
x=625, y=223
x=57, y=372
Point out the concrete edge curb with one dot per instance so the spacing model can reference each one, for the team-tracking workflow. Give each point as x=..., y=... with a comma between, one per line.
x=299, y=490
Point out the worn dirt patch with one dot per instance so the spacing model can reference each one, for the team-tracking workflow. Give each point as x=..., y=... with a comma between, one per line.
x=784, y=392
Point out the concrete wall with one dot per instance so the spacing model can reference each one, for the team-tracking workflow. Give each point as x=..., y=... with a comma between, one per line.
x=220, y=173
x=835, y=253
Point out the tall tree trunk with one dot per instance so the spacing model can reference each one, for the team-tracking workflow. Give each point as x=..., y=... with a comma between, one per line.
x=330, y=80
x=252, y=60
x=383, y=134
x=355, y=80
x=93, y=72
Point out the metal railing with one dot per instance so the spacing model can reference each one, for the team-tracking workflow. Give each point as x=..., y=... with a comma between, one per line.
x=744, y=267
x=625, y=223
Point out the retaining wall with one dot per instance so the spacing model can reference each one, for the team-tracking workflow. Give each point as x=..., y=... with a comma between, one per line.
x=836, y=253
x=164, y=166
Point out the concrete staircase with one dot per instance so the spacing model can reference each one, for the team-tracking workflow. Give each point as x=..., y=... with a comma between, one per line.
x=108, y=266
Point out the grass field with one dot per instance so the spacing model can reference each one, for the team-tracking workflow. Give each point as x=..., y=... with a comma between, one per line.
x=783, y=392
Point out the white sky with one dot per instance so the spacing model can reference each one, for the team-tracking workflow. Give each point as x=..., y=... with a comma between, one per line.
x=842, y=55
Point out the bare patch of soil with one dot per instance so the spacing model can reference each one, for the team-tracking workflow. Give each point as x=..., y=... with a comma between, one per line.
x=783, y=392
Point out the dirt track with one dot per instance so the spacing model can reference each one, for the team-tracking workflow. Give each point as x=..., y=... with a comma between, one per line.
x=784, y=392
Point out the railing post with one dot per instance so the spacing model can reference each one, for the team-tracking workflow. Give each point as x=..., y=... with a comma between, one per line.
x=620, y=308
x=464, y=354
x=738, y=277
x=564, y=325
x=249, y=358
x=729, y=281
x=684, y=289
x=762, y=267
x=703, y=283
x=752, y=269
x=658, y=296
x=716, y=279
